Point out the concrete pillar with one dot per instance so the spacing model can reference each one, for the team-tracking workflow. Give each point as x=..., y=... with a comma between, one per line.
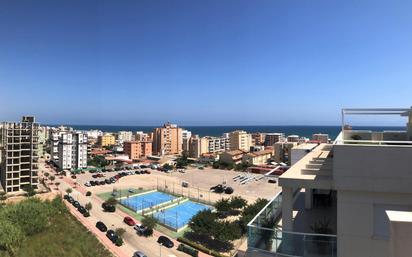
x=287, y=208
x=308, y=198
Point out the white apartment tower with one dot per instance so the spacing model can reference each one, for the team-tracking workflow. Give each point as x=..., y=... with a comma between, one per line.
x=72, y=150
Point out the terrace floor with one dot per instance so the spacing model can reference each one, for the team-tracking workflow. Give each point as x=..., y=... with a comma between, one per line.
x=303, y=219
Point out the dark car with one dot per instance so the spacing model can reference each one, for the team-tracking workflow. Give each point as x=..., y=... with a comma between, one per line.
x=273, y=181
x=228, y=190
x=76, y=204
x=108, y=181
x=165, y=242
x=94, y=176
x=102, y=182
x=137, y=172
x=81, y=209
x=70, y=199
x=101, y=226
x=92, y=182
x=112, y=235
x=108, y=207
x=218, y=189
x=66, y=197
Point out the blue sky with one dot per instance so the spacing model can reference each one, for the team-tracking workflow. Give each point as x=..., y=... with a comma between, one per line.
x=215, y=62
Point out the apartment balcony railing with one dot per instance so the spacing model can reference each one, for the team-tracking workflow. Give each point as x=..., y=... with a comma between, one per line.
x=265, y=236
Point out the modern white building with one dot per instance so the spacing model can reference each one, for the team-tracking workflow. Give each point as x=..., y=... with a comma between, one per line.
x=123, y=136
x=72, y=150
x=352, y=197
x=186, y=135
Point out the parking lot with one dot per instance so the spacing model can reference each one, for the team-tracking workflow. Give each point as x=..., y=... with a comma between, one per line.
x=257, y=186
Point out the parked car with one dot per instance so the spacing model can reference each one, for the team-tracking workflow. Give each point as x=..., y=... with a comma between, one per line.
x=165, y=241
x=102, y=182
x=87, y=184
x=108, y=181
x=185, y=184
x=101, y=226
x=139, y=254
x=76, y=204
x=70, y=199
x=228, y=190
x=81, y=209
x=112, y=235
x=273, y=181
x=129, y=221
x=108, y=207
x=140, y=229
x=66, y=197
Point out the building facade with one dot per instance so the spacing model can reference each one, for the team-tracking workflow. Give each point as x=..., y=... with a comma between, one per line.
x=137, y=149
x=167, y=140
x=359, y=186
x=240, y=140
x=272, y=138
x=72, y=150
x=19, y=165
x=106, y=140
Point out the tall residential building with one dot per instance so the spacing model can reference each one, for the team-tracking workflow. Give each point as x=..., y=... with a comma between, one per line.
x=137, y=149
x=258, y=138
x=54, y=137
x=272, y=138
x=198, y=146
x=123, y=136
x=106, y=139
x=72, y=150
x=167, y=140
x=218, y=144
x=352, y=197
x=19, y=165
x=186, y=134
x=240, y=140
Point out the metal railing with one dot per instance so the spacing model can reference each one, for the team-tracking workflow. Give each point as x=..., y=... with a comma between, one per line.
x=264, y=235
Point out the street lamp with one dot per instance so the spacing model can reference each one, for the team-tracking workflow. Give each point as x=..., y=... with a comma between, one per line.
x=160, y=249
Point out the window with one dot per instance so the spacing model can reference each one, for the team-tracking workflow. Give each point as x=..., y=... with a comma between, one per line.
x=381, y=226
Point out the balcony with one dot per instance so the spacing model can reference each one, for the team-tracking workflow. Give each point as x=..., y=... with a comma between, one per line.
x=266, y=235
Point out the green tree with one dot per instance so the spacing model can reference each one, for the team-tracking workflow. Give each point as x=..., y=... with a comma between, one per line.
x=216, y=165
x=52, y=178
x=182, y=161
x=237, y=202
x=29, y=189
x=69, y=191
x=149, y=222
x=111, y=201
x=11, y=237
x=46, y=174
x=167, y=166
x=250, y=211
x=227, y=231
x=88, y=206
x=204, y=222
x=223, y=205
x=120, y=231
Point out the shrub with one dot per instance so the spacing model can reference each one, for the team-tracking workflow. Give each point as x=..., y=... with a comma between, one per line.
x=200, y=247
x=187, y=249
x=88, y=193
x=149, y=222
x=11, y=237
x=119, y=241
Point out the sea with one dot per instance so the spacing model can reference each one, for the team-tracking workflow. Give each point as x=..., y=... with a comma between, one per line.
x=303, y=131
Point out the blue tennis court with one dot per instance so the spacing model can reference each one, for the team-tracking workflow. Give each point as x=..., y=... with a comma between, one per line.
x=179, y=215
x=143, y=201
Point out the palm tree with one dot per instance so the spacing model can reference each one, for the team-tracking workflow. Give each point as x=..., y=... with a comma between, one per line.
x=88, y=206
x=52, y=178
x=69, y=191
x=111, y=201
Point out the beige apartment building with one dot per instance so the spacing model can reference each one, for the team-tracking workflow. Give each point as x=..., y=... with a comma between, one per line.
x=198, y=146
x=321, y=138
x=106, y=140
x=232, y=157
x=137, y=149
x=167, y=140
x=240, y=140
x=257, y=158
x=19, y=164
x=349, y=198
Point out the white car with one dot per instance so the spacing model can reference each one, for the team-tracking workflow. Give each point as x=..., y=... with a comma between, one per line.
x=87, y=184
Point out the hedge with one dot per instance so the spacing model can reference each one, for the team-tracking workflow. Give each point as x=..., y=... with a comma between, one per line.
x=200, y=247
x=187, y=249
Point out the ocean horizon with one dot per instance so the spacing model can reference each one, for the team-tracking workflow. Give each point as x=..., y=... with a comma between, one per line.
x=300, y=130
